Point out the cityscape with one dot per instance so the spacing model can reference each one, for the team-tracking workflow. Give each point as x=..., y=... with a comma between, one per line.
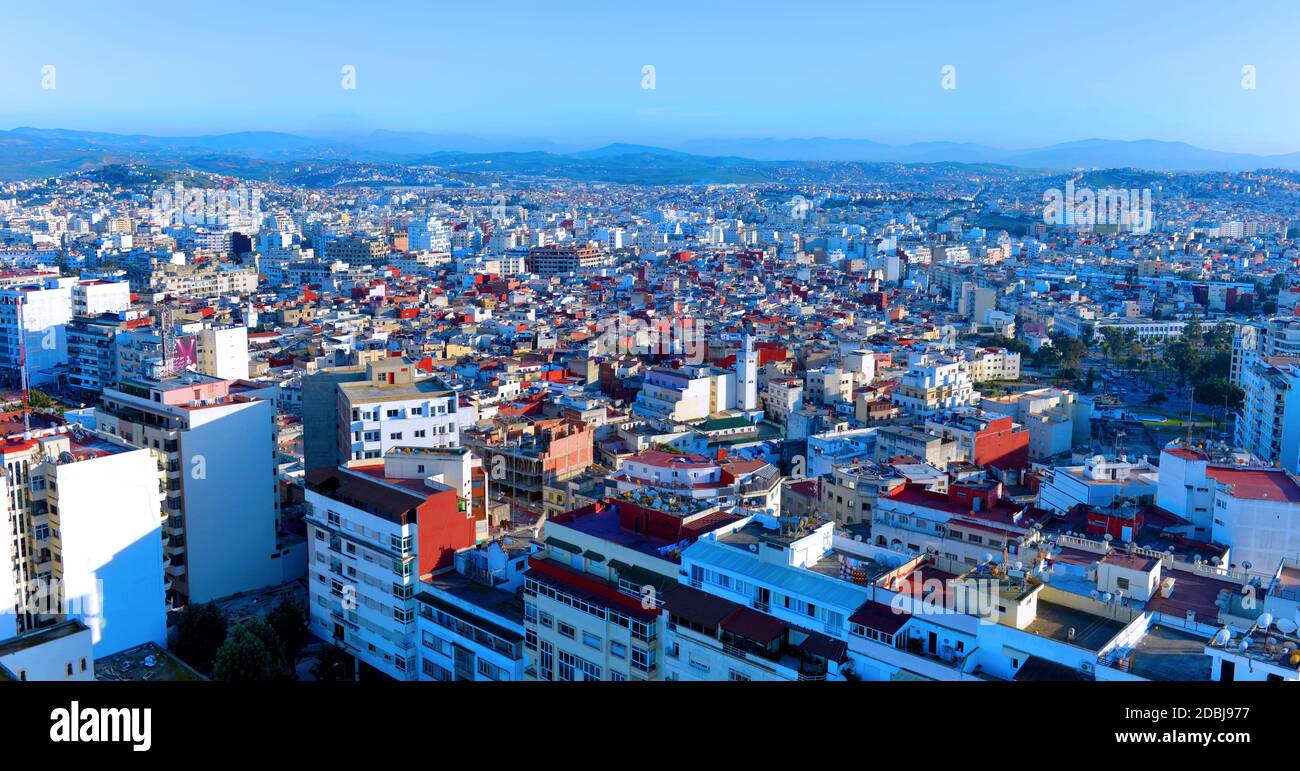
x=416, y=403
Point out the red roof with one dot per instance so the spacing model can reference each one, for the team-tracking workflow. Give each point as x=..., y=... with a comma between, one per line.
x=1257, y=484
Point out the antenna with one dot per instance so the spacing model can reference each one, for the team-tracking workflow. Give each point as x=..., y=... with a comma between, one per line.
x=168, y=343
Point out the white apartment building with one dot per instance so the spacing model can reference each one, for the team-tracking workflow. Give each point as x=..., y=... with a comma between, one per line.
x=1098, y=483
x=675, y=396
x=362, y=567
x=987, y=364
x=46, y=309
x=390, y=408
x=783, y=396
x=934, y=383
x=428, y=236
x=1269, y=423
x=828, y=386
x=223, y=352
x=471, y=620
x=1057, y=419
x=219, y=442
x=374, y=533
x=84, y=512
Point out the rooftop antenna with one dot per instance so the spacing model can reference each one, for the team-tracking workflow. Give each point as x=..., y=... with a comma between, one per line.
x=168, y=343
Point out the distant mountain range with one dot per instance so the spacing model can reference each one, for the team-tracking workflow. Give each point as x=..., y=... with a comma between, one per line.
x=30, y=152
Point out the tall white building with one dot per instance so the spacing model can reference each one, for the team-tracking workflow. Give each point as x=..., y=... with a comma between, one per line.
x=371, y=537
x=218, y=438
x=1269, y=423
x=223, y=352
x=747, y=376
x=83, y=513
x=95, y=296
x=48, y=304
x=46, y=309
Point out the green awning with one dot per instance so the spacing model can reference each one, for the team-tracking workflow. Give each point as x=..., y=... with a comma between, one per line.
x=565, y=545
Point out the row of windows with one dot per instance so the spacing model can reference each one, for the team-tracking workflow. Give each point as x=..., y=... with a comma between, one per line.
x=470, y=632
x=640, y=629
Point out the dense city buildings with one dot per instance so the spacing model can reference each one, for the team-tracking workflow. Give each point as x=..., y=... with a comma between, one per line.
x=861, y=424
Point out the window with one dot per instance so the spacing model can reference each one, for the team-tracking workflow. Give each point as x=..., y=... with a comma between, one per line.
x=567, y=630
x=420, y=433
x=435, y=643
x=643, y=660
x=591, y=641
x=433, y=670
x=393, y=413
x=573, y=668
x=490, y=671
x=83, y=665
x=395, y=436
x=617, y=650
x=1121, y=583
x=738, y=676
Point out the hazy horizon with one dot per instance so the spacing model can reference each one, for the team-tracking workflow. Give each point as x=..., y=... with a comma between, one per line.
x=577, y=78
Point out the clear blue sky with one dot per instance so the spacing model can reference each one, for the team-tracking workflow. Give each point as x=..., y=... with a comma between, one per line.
x=1028, y=73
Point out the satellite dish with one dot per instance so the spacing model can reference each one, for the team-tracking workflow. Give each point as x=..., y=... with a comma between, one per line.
x=1222, y=637
x=1265, y=620
x=1286, y=626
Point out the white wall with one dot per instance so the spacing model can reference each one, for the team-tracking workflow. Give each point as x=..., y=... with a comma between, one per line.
x=230, y=509
x=112, y=549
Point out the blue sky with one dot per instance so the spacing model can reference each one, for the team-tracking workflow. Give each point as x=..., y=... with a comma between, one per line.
x=1027, y=73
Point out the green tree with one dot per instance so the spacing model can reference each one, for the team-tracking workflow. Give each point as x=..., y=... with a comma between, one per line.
x=290, y=623
x=1219, y=392
x=252, y=653
x=39, y=400
x=200, y=631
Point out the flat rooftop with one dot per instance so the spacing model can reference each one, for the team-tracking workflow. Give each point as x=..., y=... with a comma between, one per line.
x=145, y=662
x=1164, y=653
x=40, y=637
x=1091, y=632
x=500, y=602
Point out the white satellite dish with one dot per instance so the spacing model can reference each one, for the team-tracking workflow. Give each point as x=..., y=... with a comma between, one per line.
x=1265, y=620
x=1287, y=626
